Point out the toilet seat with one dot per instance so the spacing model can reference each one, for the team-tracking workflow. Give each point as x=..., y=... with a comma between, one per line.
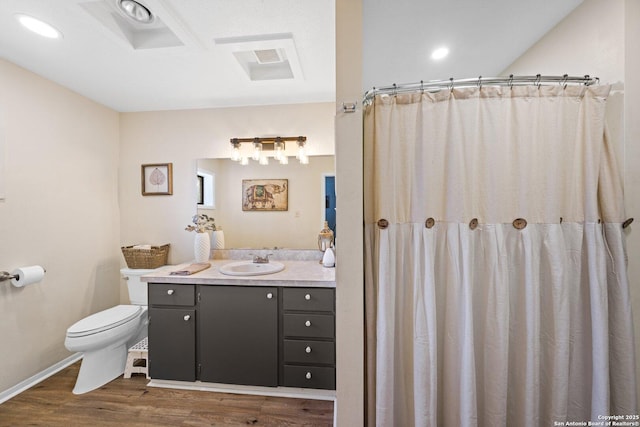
x=104, y=320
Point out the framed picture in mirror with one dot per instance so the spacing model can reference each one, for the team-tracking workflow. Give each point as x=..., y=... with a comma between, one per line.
x=265, y=194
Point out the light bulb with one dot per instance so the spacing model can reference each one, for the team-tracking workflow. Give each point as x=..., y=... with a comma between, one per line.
x=244, y=161
x=257, y=150
x=264, y=160
x=284, y=160
x=235, y=154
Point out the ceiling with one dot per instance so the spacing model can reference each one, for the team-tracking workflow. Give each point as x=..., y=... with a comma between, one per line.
x=192, y=55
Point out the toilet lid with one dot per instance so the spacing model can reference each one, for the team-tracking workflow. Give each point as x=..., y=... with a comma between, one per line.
x=107, y=319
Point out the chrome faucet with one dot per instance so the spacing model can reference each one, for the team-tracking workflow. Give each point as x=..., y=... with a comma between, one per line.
x=261, y=260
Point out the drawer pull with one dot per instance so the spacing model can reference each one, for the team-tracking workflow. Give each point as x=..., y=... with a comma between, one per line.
x=307, y=350
x=308, y=375
x=187, y=317
x=307, y=297
x=170, y=292
x=269, y=295
x=307, y=323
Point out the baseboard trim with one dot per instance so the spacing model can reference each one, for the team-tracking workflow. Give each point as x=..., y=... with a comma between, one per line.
x=291, y=392
x=39, y=377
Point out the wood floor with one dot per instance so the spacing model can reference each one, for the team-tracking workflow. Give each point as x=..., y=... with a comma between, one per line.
x=130, y=403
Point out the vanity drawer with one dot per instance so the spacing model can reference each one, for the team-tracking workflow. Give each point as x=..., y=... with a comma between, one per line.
x=310, y=377
x=308, y=299
x=309, y=325
x=305, y=351
x=171, y=294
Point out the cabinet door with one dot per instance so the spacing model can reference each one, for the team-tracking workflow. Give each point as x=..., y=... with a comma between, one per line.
x=172, y=333
x=238, y=335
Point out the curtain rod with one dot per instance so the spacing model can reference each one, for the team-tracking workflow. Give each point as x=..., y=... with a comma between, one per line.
x=436, y=85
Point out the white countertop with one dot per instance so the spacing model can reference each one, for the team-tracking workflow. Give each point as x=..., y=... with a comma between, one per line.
x=295, y=274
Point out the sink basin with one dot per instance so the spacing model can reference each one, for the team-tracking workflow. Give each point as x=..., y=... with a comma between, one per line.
x=249, y=268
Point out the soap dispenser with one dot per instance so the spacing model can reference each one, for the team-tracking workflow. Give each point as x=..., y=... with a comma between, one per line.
x=329, y=258
x=325, y=244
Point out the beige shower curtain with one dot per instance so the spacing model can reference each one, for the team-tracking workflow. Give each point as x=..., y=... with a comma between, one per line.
x=495, y=274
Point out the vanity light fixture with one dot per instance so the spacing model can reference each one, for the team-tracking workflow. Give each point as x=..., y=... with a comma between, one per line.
x=136, y=11
x=39, y=27
x=261, y=146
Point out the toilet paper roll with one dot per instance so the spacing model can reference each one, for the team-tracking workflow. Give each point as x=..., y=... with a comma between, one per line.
x=27, y=275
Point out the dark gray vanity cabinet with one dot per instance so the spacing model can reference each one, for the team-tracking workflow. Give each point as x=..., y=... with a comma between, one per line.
x=238, y=335
x=308, y=332
x=172, y=332
x=246, y=335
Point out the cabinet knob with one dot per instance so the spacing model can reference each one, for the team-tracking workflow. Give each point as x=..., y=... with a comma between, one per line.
x=307, y=297
x=170, y=292
x=187, y=317
x=308, y=375
x=307, y=323
x=269, y=295
x=307, y=350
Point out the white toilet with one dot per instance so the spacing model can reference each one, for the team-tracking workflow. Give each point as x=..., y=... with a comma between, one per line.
x=105, y=337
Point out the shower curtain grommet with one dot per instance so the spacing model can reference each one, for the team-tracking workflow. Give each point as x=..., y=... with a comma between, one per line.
x=473, y=224
x=627, y=223
x=430, y=222
x=520, y=223
x=383, y=223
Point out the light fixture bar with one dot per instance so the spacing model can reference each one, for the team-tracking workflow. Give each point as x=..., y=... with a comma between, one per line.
x=270, y=139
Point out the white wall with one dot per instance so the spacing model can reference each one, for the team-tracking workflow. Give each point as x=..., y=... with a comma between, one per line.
x=601, y=39
x=349, y=192
x=181, y=137
x=295, y=228
x=60, y=211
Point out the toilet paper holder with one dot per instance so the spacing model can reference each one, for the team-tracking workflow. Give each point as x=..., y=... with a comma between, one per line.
x=5, y=275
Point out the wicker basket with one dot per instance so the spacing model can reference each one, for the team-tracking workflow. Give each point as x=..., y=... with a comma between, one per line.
x=146, y=258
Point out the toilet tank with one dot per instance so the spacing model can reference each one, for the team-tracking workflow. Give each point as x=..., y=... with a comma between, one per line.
x=137, y=288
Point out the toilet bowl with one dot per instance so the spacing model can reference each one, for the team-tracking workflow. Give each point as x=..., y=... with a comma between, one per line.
x=105, y=337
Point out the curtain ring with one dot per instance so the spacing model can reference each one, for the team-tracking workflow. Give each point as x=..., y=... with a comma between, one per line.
x=511, y=81
x=560, y=220
x=473, y=224
x=383, y=223
x=519, y=223
x=421, y=87
x=479, y=82
x=450, y=84
x=395, y=90
x=430, y=222
x=564, y=81
x=627, y=223
x=538, y=79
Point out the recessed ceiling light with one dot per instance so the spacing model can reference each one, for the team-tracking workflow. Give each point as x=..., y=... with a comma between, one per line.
x=439, y=53
x=39, y=27
x=136, y=11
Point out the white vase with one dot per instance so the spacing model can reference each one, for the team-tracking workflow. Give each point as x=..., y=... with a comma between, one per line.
x=217, y=239
x=202, y=247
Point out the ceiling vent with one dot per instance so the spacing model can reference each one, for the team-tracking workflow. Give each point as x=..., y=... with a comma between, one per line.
x=265, y=56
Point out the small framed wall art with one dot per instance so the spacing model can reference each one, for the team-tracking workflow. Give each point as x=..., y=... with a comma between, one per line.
x=157, y=179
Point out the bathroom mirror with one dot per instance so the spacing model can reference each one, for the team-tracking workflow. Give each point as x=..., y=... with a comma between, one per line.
x=310, y=198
